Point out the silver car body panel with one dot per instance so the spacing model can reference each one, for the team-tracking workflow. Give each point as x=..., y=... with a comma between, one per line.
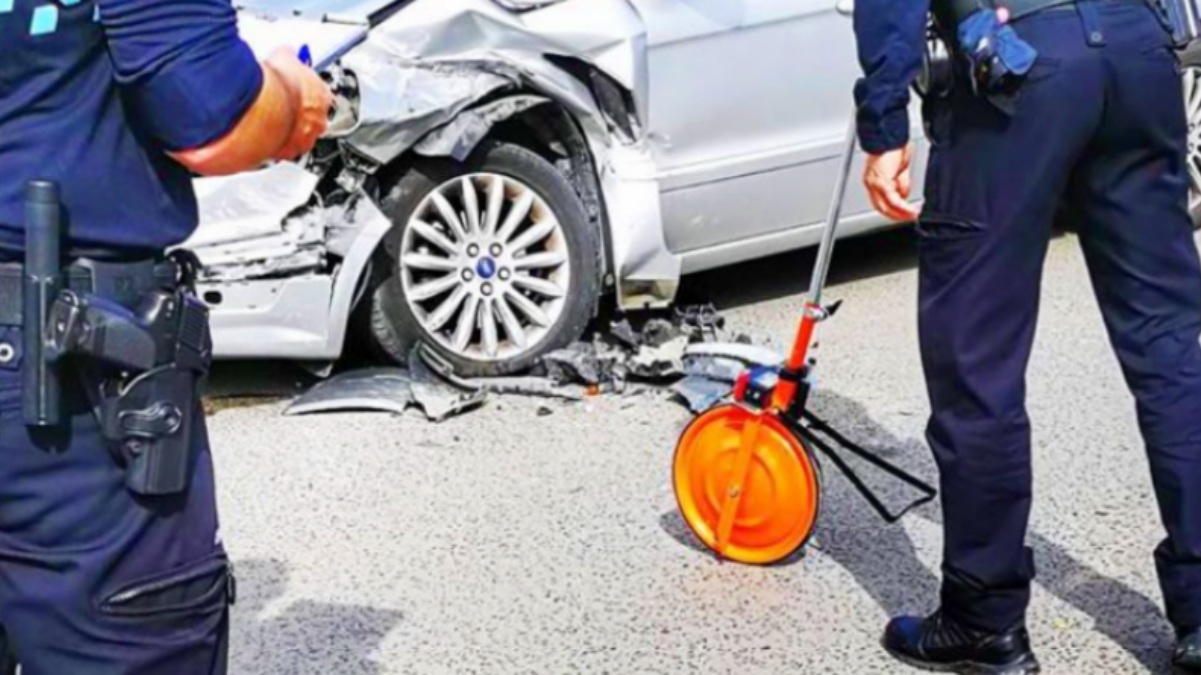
x=732, y=156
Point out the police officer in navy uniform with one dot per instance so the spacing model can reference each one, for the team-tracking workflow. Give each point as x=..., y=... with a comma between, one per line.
x=120, y=102
x=1055, y=109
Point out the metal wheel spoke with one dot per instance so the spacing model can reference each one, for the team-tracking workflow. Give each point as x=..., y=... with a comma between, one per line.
x=539, y=286
x=1194, y=174
x=518, y=214
x=467, y=323
x=1192, y=80
x=442, y=315
x=433, y=236
x=424, y=261
x=488, y=329
x=540, y=260
x=486, y=267
x=528, y=308
x=496, y=201
x=432, y=289
x=471, y=204
x=512, y=325
x=448, y=214
x=534, y=234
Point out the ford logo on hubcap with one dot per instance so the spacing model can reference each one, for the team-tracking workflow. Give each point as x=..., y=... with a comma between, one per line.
x=486, y=268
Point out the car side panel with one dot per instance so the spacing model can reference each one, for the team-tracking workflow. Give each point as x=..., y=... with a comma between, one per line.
x=748, y=106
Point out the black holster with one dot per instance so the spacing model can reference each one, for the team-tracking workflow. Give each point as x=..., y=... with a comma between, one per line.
x=143, y=368
x=134, y=332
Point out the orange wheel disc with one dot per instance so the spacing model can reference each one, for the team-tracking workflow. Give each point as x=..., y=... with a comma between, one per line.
x=779, y=502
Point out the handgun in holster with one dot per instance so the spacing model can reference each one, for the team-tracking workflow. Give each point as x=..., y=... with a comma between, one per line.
x=162, y=350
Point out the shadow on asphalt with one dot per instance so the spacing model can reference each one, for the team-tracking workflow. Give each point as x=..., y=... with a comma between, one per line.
x=885, y=564
x=301, y=638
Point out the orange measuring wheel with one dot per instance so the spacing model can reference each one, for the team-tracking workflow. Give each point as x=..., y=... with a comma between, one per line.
x=757, y=506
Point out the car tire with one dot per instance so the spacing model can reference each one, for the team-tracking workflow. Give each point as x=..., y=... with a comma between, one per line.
x=401, y=315
x=1190, y=68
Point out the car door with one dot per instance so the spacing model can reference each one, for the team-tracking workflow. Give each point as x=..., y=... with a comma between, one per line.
x=748, y=106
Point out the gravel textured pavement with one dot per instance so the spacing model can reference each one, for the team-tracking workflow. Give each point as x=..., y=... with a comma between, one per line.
x=509, y=541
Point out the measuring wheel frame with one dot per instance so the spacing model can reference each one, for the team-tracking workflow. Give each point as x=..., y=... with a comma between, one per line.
x=745, y=475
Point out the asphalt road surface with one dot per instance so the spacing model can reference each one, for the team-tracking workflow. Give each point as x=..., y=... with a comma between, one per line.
x=508, y=541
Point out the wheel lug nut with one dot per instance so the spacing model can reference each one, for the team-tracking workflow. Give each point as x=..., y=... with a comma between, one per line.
x=496, y=250
x=486, y=289
x=468, y=275
x=504, y=275
x=473, y=250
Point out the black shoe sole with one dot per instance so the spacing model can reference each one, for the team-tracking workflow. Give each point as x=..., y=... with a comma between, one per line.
x=1026, y=666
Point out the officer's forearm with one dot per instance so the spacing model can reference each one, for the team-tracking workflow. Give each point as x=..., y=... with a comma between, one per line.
x=258, y=136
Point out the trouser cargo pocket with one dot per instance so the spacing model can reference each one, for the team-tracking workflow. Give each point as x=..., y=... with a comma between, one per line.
x=204, y=588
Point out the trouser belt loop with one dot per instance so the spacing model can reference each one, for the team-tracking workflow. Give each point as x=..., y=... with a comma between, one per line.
x=1090, y=19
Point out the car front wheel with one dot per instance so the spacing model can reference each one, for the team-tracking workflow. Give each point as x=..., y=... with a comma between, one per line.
x=492, y=262
x=1191, y=72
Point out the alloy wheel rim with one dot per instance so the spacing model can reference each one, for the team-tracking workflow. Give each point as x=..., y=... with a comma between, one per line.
x=1192, y=102
x=485, y=267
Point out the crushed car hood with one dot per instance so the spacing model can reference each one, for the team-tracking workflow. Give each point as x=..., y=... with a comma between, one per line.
x=422, y=62
x=431, y=69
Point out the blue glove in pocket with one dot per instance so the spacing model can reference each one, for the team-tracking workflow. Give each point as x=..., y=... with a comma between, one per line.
x=996, y=52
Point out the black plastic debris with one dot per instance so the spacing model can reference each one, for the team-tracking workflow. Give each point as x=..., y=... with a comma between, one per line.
x=625, y=335
x=705, y=320
x=578, y=363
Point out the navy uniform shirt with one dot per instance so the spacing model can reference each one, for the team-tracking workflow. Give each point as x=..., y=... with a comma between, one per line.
x=892, y=36
x=92, y=94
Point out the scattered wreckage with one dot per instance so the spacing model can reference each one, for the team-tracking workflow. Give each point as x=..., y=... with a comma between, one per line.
x=689, y=355
x=288, y=251
x=511, y=161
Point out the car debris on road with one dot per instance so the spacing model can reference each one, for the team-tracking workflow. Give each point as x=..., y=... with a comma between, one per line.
x=686, y=354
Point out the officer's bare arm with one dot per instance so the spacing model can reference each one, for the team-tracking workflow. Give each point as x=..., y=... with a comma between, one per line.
x=197, y=91
x=290, y=113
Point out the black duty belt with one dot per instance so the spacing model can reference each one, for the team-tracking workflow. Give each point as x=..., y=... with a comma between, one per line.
x=951, y=12
x=125, y=283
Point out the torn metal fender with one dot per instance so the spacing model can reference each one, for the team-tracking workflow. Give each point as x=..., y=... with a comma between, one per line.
x=459, y=138
x=647, y=273
x=435, y=59
x=351, y=274
x=304, y=316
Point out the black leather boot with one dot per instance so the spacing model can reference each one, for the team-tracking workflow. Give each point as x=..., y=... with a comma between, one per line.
x=941, y=644
x=1187, y=658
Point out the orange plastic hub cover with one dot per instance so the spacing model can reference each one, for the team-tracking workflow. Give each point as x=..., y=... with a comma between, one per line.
x=775, y=509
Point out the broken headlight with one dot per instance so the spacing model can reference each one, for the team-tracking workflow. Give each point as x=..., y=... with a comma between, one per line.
x=525, y=5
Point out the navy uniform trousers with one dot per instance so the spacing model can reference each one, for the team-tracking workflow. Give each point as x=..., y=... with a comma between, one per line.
x=94, y=580
x=1098, y=135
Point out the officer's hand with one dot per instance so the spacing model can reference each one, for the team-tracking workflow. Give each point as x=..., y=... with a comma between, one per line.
x=312, y=98
x=887, y=178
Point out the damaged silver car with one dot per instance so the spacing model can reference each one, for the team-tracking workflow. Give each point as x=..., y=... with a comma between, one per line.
x=515, y=161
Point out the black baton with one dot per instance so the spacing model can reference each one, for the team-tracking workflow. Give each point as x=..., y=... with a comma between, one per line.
x=43, y=272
